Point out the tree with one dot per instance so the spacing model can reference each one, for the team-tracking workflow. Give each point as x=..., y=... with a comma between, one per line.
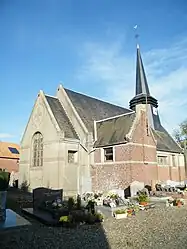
x=180, y=134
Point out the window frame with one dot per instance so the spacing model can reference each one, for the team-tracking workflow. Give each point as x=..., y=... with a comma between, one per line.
x=108, y=154
x=163, y=157
x=74, y=153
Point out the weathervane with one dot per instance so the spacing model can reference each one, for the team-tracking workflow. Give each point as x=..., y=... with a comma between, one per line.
x=136, y=35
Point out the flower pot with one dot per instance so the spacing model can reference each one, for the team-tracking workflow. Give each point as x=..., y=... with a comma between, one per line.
x=120, y=216
x=3, y=195
x=143, y=203
x=179, y=204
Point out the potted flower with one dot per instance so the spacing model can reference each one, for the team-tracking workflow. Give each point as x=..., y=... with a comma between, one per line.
x=143, y=199
x=4, y=184
x=120, y=214
x=178, y=203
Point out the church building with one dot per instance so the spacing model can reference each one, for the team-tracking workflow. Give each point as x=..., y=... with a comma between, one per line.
x=80, y=143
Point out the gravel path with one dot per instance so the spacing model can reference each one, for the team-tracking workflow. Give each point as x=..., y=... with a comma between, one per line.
x=156, y=228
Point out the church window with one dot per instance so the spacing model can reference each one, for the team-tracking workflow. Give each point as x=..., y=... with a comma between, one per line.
x=108, y=154
x=174, y=161
x=162, y=160
x=72, y=156
x=37, y=150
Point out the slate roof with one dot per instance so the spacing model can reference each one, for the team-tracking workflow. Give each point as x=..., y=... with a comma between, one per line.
x=141, y=80
x=113, y=131
x=165, y=142
x=61, y=117
x=90, y=109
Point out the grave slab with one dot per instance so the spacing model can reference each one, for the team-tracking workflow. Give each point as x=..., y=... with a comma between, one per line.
x=40, y=215
x=39, y=211
x=13, y=220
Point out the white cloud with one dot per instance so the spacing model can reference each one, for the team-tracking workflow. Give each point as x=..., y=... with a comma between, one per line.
x=166, y=71
x=5, y=135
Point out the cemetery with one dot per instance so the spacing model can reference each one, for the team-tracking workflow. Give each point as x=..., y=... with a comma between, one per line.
x=95, y=212
x=99, y=214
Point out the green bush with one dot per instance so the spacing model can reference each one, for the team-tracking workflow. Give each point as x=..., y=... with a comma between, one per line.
x=4, y=180
x=71, y=204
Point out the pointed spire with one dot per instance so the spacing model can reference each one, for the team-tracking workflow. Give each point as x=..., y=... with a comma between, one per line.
x=141, y=81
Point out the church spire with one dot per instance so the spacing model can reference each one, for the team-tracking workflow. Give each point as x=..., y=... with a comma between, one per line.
x=142, y=94
x=141, y=81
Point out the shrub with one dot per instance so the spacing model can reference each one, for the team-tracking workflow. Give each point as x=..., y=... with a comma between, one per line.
x=71, y=204
x=4, y=180
x=25, y=186
x=78, y=204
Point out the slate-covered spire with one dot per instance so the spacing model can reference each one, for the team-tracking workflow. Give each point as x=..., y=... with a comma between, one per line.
x=142, y=94
x=141, y=81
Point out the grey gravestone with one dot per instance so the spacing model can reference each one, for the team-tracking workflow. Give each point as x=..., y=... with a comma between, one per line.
x=135, y=187
x=41, y=195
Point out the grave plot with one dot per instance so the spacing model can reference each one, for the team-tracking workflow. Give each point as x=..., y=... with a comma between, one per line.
x=50, y=209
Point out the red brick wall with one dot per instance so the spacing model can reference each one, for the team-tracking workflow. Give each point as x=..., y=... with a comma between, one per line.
x=171, y=173
x=135, y=152
x=130, y=163
x=97, y=156
x=106, y=177
x=9, y=164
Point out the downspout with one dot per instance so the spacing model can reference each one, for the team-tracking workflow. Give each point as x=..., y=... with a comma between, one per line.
x=59, y=163
x=78, y=170
x=185, y=157
x=95, y=131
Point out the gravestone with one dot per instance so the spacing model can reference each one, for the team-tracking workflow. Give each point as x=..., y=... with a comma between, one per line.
x=135, y=187
x=41, y=195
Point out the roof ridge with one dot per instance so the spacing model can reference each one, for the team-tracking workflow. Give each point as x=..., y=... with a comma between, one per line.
x=51, y=96
x=114, y=117
x=106, y=102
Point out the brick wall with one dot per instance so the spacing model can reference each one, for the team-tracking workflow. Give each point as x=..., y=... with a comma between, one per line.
x=9, y=164
x=136, y=160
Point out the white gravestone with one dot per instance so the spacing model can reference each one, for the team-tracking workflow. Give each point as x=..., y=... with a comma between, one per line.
x=135, y=187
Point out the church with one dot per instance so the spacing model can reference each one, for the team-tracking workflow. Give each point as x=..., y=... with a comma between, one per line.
x=80, y=143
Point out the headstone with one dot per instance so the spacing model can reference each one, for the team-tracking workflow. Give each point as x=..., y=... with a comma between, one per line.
x=127, y=192
x=135, y=187
x=41, y=195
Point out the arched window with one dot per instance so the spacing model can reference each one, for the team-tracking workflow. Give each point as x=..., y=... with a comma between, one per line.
x=37, y=153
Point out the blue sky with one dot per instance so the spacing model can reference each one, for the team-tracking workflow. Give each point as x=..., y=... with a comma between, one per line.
x=89, y=46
